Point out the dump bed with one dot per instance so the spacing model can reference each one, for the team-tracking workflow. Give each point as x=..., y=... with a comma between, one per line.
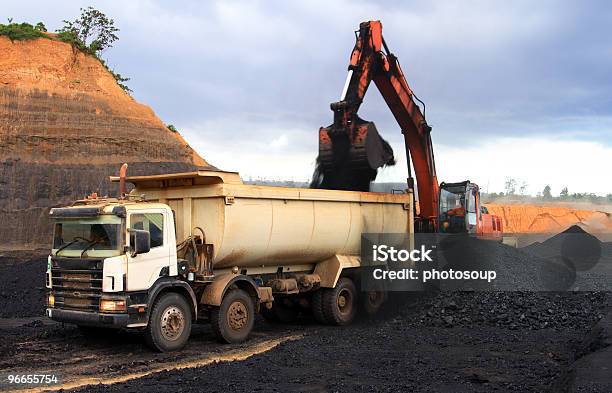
x=263, y=227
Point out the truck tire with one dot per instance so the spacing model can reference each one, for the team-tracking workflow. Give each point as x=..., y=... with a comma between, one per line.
x=233, y=320
x=371, y=302
x=169, y=323
x=340, y=303
x=317, y=306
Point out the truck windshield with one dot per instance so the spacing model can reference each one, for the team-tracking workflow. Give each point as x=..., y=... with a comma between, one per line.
x=98, y=237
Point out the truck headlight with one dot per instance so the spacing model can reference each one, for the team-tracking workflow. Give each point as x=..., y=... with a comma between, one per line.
x=51, y=300
x=112, y=305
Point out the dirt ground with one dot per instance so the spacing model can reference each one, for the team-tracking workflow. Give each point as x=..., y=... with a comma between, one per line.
x=412, y=347
x=446, y=342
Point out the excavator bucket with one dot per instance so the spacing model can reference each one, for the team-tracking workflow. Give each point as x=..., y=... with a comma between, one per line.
x=348, y=159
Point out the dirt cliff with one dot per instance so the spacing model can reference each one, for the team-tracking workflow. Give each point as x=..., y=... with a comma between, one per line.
x=65, y=126
x=550, y=219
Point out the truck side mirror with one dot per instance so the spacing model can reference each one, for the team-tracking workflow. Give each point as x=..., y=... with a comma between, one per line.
x=140, y=240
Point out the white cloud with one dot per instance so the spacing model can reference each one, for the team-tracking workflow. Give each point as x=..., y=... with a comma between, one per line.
x=582, y=166
x=279, y=151
x=280, y=142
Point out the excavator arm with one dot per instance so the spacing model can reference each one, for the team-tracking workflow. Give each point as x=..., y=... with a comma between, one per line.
x=351, y=150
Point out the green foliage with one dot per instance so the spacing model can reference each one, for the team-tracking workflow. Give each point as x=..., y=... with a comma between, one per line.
x=91, y=33
x=21, y=31
x=92, y=30
x=546, y=194
x=564, y=193
x=120, y=79
x=40, y=27
x=172, y=128
x=71, y=38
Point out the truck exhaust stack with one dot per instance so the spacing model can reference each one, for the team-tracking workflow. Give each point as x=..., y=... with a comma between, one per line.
x=122, y=174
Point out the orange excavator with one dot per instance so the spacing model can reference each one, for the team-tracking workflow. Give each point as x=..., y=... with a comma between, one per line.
x=351, y=149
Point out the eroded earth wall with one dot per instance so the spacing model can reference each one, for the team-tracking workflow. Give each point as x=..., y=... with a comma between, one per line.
x=65, y=126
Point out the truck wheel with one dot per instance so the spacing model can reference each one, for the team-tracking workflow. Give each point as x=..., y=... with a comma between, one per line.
x=317, y=306
x=340, y=303
x=233, y=320
x=371, y=302
x=169, y=323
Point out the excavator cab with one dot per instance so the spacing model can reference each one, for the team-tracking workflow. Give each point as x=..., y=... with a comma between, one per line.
x=459, y=207
x=461, y=212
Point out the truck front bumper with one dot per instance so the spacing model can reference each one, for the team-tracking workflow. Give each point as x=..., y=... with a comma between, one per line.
x=85, y=318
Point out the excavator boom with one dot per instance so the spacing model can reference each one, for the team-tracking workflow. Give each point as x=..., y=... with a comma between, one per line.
x=351, y=150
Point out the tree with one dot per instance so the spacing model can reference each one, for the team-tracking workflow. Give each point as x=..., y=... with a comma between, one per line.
x=92, y=31
x=564, y=192
x=510, y=186
x=40, y=27
x=546, y=193
x=523, y=187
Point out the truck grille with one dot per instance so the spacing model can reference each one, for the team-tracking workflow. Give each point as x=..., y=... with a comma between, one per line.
x=76, y=289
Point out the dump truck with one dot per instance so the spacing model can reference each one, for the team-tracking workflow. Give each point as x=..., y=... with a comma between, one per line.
x=202, y=246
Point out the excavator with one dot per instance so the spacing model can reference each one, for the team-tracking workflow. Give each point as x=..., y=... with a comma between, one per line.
x=351, y=149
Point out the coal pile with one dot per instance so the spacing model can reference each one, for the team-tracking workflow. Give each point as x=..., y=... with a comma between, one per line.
x=516, y=270
x=575, y=244
x=571, y=260
x=22, y=287
x=509, y=310
x=578, y=257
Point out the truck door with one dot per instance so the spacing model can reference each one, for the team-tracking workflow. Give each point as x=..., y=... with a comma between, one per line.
x=144, y=269
x=472, y=209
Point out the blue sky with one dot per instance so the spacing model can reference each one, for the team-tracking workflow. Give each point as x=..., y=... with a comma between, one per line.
x=513, y=89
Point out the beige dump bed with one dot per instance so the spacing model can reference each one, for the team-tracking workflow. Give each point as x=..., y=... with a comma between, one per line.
x=262, y=226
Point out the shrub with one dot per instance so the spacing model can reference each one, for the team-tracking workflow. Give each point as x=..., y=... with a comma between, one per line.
x=40, y=27
x=21, y=31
